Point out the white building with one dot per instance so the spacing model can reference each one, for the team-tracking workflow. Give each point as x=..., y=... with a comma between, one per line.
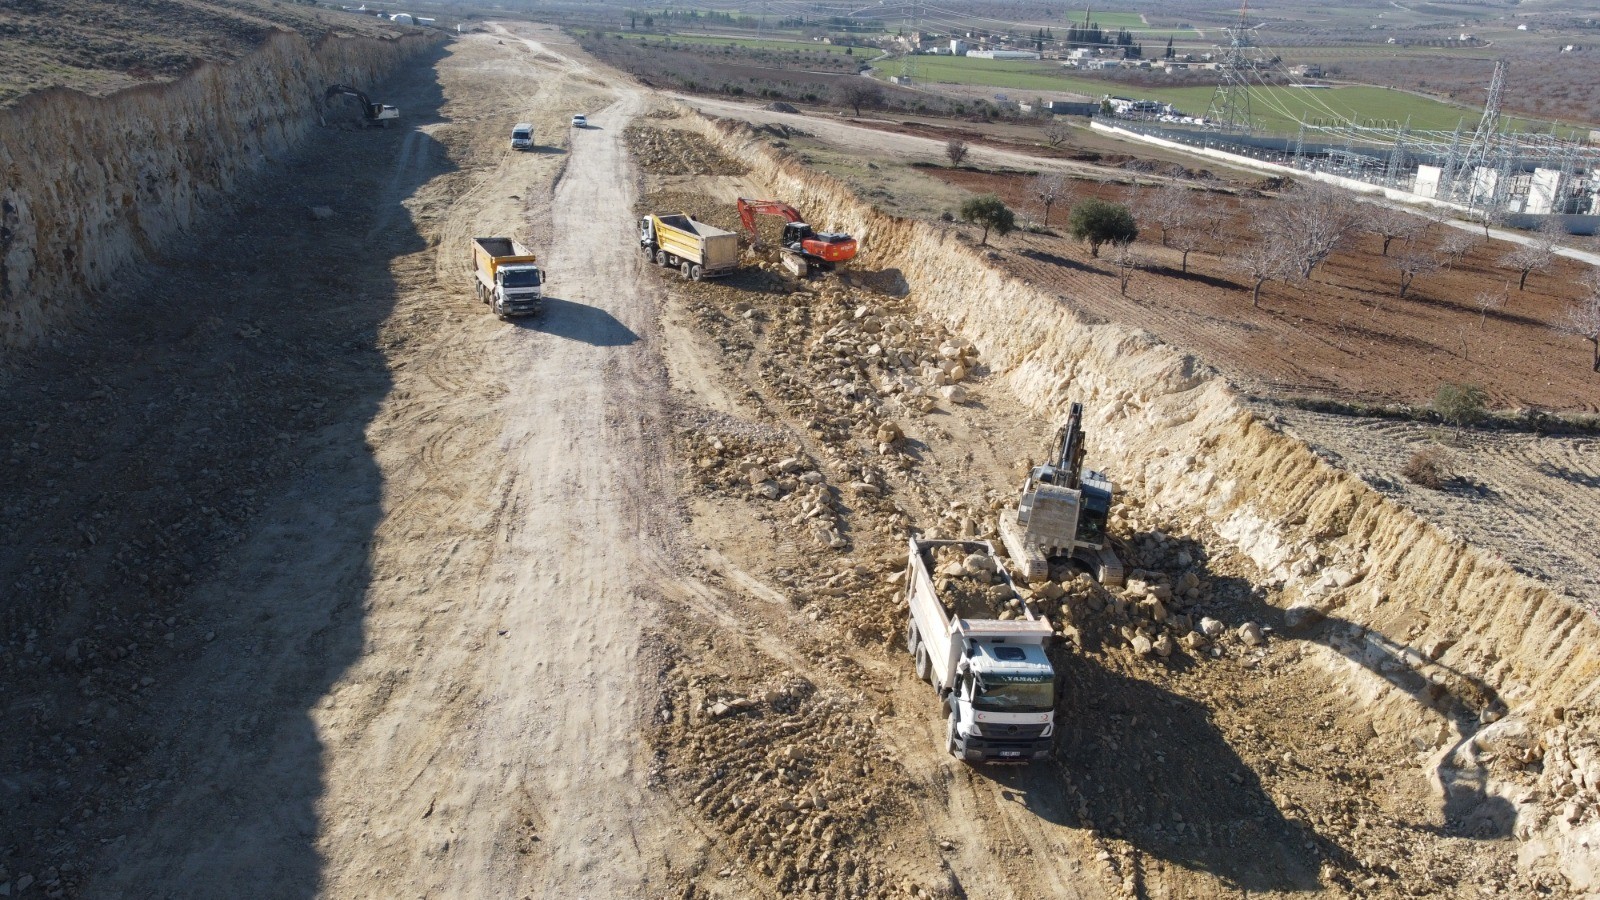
x=958, y=47
x=1004, y=54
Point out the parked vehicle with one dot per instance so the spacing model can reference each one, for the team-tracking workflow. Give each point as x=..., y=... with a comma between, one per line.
x=507, y=277
x=991, y=672
x=522, y=136
x=580, y=121
x=694, y=248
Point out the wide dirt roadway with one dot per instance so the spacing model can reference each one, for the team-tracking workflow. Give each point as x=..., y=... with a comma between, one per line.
x=445, y=626
x=452, y=601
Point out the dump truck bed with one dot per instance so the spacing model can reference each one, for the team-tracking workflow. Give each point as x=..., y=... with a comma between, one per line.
x=708, y=246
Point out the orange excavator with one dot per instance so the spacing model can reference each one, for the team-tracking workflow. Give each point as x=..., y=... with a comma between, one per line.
x=801, y=248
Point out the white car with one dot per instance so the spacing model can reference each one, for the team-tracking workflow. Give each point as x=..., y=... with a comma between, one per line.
x=580, y=121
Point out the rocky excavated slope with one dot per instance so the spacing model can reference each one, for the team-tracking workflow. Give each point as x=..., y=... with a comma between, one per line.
x=1491, y=672
x=102, y=46
x=95, y=183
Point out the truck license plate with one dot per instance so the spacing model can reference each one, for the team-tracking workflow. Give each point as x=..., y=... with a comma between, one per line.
x=1010, y=752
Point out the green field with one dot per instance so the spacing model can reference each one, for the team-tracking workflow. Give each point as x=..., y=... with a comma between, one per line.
x=747, y=43
x=1275, y=109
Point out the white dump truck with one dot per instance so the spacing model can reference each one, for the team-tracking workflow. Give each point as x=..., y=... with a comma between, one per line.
x=507, y=277
x=694, y=248
x=983, y=649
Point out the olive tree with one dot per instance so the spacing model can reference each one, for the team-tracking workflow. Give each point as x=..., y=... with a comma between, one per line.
x=1099, y=222
x=990, y=212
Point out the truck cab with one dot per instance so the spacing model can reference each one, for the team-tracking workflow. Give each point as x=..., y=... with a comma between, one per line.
x=506, y=276
x=519, y=289
x=1002, y=703
x=996, y=683
x=522, y=136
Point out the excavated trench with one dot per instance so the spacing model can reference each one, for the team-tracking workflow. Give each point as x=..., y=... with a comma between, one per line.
x=94, y=184
x=1407, y=632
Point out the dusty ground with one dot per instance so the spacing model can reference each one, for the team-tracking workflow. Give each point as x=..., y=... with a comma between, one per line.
x=1344, y=334
x=344, y=587
x=794, y=396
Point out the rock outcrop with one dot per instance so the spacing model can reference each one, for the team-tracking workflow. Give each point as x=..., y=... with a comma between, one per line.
x=89, y=185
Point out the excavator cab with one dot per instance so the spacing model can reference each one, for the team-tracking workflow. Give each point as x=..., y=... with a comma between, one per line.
x=795, y=234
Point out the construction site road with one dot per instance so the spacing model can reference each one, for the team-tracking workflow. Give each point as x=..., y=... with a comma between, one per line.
x=372, y=594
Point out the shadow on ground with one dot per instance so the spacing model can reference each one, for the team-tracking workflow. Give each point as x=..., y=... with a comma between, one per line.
x=579, y=322
x=190, y=543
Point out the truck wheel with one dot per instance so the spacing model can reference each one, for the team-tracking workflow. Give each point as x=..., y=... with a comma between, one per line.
x=924, y=666
x=684, y=270
x=696, y=273
x=912, y=637
x=950, y=737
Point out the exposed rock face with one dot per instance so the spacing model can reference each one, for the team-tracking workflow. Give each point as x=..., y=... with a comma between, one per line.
x=91, y=184
x=1364, y=570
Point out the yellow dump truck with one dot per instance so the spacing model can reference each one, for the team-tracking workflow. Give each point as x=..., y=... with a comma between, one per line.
x=694, y=248
x=507, y=277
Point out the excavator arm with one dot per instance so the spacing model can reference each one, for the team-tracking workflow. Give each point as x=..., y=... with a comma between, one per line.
x=372, y=112
x=803, y=247
x=749, y=209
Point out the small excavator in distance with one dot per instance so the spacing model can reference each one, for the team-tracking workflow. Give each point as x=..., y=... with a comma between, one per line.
x=377, y=114
x=801, y=249
x=1062, y=513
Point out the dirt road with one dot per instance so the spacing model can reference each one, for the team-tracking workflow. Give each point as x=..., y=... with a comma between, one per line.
x=417, y=671
x=445, y=606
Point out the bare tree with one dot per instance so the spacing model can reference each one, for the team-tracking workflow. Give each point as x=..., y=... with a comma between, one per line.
x=1537, y=254
x=1265, y=259
x=1390, y=224
x=956, y=149
x=1312, y=221
x=1411, y=261
x=1493, y=214
x=1048, y=189
x=1490, y=300
x=1170, y=207
x=1455, y=245
x=1057, y=132
x=1127, y=262
x=1584, y=321
x=858, y=92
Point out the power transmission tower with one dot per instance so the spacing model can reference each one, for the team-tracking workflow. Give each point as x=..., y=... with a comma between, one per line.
x=908, y=63
x=1230, y=102
x=1480, y=151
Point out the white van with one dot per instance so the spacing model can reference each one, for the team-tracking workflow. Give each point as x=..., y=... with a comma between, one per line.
x=522, y=136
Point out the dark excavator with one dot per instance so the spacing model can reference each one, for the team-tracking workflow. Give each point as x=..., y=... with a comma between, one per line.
x=377, y=114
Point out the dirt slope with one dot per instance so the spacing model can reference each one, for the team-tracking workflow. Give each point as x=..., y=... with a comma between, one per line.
x=99, y=46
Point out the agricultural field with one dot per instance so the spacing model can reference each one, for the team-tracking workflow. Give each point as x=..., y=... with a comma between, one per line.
x=1277, y=108
x=712, y=40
